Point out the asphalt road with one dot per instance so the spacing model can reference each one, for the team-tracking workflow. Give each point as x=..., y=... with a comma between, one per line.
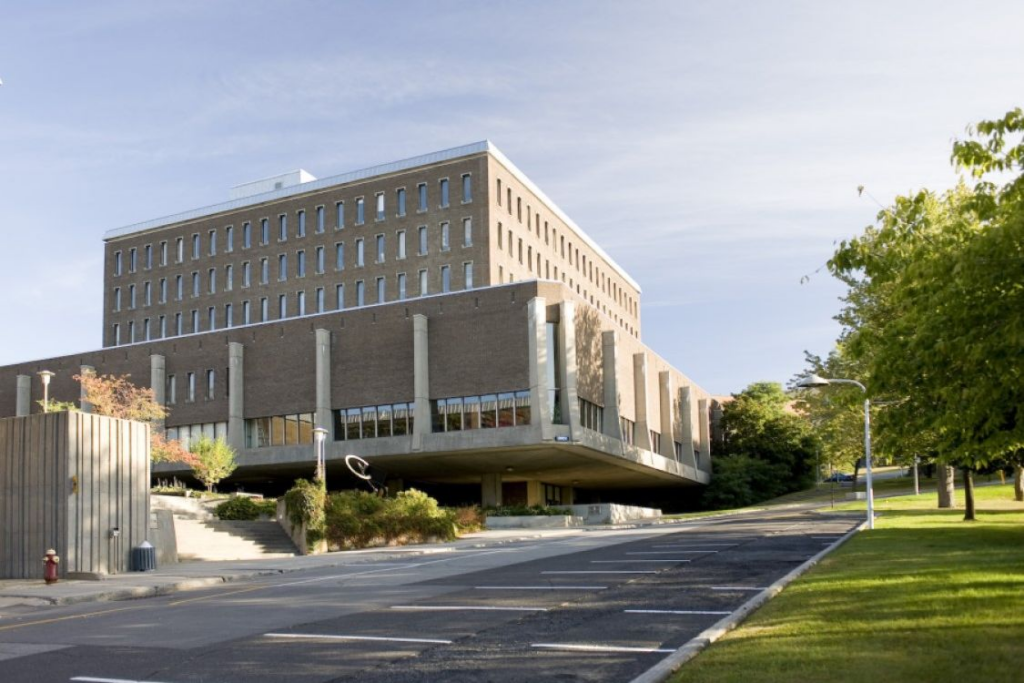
x=600, y=606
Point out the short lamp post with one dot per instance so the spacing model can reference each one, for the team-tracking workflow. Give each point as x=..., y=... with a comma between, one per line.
x=814, y=381
x=319, y=444
x=45, y=375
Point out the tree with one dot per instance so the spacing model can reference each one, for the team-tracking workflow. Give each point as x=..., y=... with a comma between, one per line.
x=768, y=450
x=214, y=461
x=935, y=308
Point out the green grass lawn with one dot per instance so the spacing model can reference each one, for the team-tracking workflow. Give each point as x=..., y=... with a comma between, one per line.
x=924, y=597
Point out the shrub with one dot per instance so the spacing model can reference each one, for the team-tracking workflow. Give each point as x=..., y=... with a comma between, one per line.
x=240, y=508
x=526, y=511
x=306, y=503
x=357, y=519
x=469, y=518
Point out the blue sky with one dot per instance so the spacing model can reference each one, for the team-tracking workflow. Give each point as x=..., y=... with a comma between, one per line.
x=713, y=148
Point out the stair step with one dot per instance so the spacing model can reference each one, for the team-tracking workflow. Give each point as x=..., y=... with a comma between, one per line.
x=231, y=540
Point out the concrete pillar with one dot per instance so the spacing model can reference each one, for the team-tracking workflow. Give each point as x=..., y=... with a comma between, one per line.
x=158, y=383
x=568, y=495
x=537, y=342
x=236, y=396
x=534, y=493
x=609, y=366
x=23, y=397
x=83, y=370
x=490, y=489
x=567, y=346
x=643, y=429
x=421, y=382
x=668, y=448
x=686, y=425
x=323, y=382
x=704, y=425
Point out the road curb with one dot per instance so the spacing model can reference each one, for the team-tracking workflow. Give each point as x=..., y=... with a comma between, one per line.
x=669, y=665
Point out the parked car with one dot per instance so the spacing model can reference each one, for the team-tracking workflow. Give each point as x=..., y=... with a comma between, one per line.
x=840, y=477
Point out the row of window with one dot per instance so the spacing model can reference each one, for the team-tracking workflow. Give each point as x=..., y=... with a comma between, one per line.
x=170, y=326
x=380, y=214
x=189, y=434
x=279, y=430
x=209, y=390
x=591, y=415
x=372, y=422
x=508, y=409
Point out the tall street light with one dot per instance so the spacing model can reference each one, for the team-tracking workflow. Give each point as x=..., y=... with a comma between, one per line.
x=45, y=375
x=814, y=381
x=319, y=437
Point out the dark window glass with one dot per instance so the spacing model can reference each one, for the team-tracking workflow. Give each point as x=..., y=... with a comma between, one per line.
x=489, y=411
x=506, y=410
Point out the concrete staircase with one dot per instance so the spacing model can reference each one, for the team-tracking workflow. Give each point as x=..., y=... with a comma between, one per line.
x=210, y=539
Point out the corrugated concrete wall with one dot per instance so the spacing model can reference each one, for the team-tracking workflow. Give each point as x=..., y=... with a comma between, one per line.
x=67, y=480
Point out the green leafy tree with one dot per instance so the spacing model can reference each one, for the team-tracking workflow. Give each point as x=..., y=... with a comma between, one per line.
x=214, y=461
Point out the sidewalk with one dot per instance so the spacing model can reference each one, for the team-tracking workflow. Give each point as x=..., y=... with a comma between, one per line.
x=193, y=575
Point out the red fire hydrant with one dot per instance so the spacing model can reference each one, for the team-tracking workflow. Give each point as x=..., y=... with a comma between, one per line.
x=50, y=570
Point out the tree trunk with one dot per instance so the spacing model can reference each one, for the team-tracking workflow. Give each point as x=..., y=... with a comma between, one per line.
x=968, y=494
x=944, y=483
x=1018, y=482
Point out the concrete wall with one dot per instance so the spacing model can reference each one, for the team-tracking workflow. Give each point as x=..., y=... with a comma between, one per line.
x=66, y=481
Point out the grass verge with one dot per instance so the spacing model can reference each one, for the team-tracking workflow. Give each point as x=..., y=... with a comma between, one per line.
x=924, y=597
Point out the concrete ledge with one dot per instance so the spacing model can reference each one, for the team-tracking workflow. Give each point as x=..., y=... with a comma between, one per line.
x=613, y=513
x=533, y=522
x=665, y=668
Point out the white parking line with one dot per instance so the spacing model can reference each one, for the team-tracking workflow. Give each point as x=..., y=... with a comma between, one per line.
x=672, y=552
x=694, y=543
x=540, y=588
x=666, y=559
x=459, y=608
x=383, y=639
x=579, y=647
x=738, y=588
x=605, y=571
x=671, y=611
x=91, y=679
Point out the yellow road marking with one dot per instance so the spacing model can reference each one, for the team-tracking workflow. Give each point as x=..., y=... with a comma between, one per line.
x=72, y=616
x=219, y=595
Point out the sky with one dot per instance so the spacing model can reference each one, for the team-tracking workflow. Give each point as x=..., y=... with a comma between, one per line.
x=714, y=149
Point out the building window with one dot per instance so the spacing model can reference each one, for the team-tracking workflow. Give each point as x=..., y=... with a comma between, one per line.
x=360, y=293
x=628, y=428
x=211, y=277
x=339, y=256
x=264, y=232
x=401, y=244
x=117, y=263
x=445, y=237
x=302, y=224
x=163, y=253
x=211, y=314
x=147, y=257
x=467, y=274
x=177, y=324
x=339, y=220
x=229, y=239
x=380, y=290
x=171, y=391
x=213, y=243
x=498, y=193
x=423, y=283
x=195, y=246
x=339, y=297
x=519, y=209
x=401, y=286
x=319, y=219
x=179, y=250
x=467, y=188
x=487, y=411
x=380, y=248
x=444, y=193
x=163, y=327
x=195, y=321
x=282, y=267
x=421, y=192
x=422, y=232
x=467, y=232
x=131, y=260
x=246, y=235
x=320, y=300
x=191, y=384
x=281, y=430
x=163, y=290
x=400, y=200
x=211, y=377
x=370, y=422
x=264, y=309
x=246, y=313
x=117, y=299
x=359, y=252
x=360, y=211
x=145, y=329
x=117, y=334
x=591, y=415
x=282, y=306
x=229, y=315
x=380, y=206
x=446, y=279
x=147, y=294
x=319, y=260
x=131, y=297
x=301, y=300
x=246, y=274
x=282, y=227
x=229, y=278
x=300, y=264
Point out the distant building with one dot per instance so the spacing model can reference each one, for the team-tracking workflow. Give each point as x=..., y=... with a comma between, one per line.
x=440, y=316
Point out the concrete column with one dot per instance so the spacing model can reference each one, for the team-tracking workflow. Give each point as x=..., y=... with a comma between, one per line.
x=421, y=382
x=705, y=433
x=567, y=345
x=609, y=366
x=323, y=382
x=668, y=438
x=643, y=429
x=568, y=495
x=534, y=493
x=395, y=486
x=490, y=489
x=686, y=411
x=158, y=383
x=537, y=342
x=83, y=370
x=23, y=397
x=236, y=396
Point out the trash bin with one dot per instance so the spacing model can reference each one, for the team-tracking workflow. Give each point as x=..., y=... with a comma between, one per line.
x=144, y=557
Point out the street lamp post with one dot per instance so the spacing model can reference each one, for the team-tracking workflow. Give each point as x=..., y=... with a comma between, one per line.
x=45, y=375
x=319, y=437
x=813, y=381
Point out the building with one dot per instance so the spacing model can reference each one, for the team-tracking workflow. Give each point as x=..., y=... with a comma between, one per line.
x=440, y=315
